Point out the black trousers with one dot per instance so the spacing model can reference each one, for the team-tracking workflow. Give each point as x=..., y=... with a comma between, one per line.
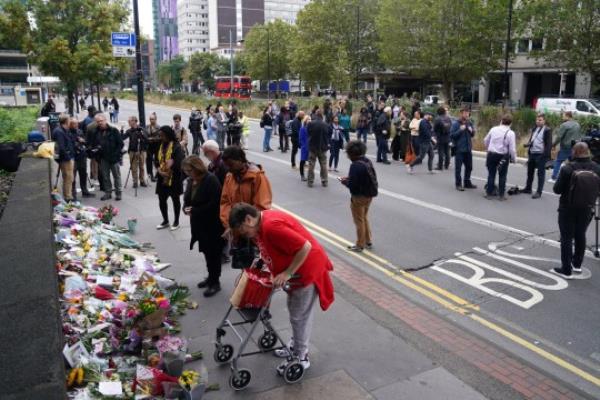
x=235, y=139
x=81, y=171
x=443, y=155
x=494, y=164
x=302, y=164
x=284, y=141
x=536, y=161
x=198, y=140
x=396, y=147
x=164, y=207
x=573, y=224
x=212, y=255
x=151, y=157
x=295, y=147
x=466, y=159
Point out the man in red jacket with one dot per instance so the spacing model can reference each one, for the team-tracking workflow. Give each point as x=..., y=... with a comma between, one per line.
x=292, y=254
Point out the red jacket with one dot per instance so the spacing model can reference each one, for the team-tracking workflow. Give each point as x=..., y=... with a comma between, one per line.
x=280, y=237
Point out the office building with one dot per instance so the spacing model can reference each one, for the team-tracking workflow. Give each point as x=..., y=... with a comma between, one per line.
x=192, y=27
x=230, y=20
x=286, y=10
x=166, y=44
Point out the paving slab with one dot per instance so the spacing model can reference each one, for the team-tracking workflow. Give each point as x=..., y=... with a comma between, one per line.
x=436, y=384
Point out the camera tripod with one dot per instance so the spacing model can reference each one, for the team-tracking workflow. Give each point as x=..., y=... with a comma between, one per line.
x=596, y=212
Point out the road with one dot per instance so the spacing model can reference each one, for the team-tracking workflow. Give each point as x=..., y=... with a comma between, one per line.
x=481, y=263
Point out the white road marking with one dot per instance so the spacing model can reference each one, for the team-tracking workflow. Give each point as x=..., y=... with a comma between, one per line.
x=453, y=213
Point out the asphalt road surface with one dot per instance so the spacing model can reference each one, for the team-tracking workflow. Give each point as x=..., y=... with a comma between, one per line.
x=482, y=263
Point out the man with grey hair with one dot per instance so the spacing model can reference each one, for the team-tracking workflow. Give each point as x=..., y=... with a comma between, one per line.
x=210, y=149
x=578, y=184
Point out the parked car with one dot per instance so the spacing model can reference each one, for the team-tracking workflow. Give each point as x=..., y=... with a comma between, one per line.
x=583, y=107
x=432, y=99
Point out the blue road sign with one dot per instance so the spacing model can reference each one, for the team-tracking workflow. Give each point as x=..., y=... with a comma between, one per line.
x=123, y=39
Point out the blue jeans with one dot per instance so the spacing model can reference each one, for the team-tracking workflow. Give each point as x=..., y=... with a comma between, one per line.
x=334, y=155
x=563, y=154
x=267, y=138
x=361, y=134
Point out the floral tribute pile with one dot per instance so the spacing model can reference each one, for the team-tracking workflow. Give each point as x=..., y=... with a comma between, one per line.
x=119, y=314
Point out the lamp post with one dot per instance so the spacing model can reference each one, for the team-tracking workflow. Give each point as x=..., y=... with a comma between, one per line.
x=268, y=63
x=138, y=66
x=230, y=64
x=505, y=83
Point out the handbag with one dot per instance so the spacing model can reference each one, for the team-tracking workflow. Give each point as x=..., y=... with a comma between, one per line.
x=410, y=155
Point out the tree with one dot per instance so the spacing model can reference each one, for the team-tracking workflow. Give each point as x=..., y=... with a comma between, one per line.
x=336, y=41
x=203, y=67
x=268, y=48
x=13, y=19
x=71, y=39
x=450, y=41
x=171, y=73
x=570, y=30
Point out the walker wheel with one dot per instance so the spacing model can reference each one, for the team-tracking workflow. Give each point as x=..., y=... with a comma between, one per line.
x=241, y=381
x=223, y=353
x=293, y=372
x=267, y=340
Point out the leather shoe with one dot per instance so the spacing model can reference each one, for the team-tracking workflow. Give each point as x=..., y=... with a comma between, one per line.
x=212, y=290
x=470, y=186
x=203, y=284
x=460, y=188
x=536, y=195
x=88, y=194
x=106, y=197
x=526, y=191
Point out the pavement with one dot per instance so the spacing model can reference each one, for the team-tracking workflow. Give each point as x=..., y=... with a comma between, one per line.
x=454, y=301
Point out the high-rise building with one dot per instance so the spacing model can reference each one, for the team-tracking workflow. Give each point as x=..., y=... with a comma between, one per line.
x=192, y=27
x=286, y=10
x=230, y=20
x=165, y=30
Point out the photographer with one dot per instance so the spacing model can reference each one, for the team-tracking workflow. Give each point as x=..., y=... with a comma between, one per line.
x=539, y=148
x=80, y=159
x=106, y=147
x=501, y=150
x=578, y=184
x=138, y=145
x=195, y=127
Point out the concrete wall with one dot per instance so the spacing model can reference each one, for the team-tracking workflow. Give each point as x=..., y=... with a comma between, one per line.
x=31, y=338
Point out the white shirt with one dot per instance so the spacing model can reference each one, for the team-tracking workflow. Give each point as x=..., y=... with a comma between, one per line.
x=501, y=139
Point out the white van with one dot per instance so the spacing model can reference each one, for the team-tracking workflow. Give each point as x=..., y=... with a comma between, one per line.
x=583, y=107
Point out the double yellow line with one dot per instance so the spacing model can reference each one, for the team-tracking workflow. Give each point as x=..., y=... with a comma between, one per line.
x=441, y=296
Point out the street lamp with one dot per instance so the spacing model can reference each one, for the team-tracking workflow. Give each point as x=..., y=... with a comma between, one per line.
x=138, y=67
x=505, y=84
x=231, y=62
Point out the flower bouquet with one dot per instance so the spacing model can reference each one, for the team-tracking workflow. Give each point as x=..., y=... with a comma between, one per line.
x=190, y=382
x=107, y=213
x=172, y=351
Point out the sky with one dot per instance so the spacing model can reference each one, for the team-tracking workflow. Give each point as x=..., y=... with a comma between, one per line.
x=145, y=9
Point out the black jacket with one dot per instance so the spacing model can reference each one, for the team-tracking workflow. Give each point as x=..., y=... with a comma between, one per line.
x=266, y=120
x=359, y=180
x=204, y=220
x=296, y=125
x=138, y=139
x=64, y=143
x=441, y=127
x=218, y=168
x=547, y=141
x=563, y=183
x=318, y=136
x=108, y=143
x=383, y=125
x=176, y=187
x=195, y=125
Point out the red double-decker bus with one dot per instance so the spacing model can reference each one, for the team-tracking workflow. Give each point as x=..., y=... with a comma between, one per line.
x=242, y=87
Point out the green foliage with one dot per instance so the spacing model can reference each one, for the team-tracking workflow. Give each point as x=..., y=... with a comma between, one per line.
x=204, y=67
x=170, y=73
x=71, y=39
x=453, y=41
x=13, y=19
x=336, y=39
x=571, y=29
x=268, y=49
x=16, y=123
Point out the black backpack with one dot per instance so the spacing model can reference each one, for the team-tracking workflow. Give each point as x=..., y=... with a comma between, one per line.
x=584, y=188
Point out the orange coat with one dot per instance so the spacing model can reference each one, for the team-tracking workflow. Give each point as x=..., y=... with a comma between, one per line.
x=254, y=188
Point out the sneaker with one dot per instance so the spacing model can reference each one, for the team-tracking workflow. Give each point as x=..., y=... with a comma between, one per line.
x=409, y=169
x=369, y=246
x=561, y=272
x=460, y=188
x=551, y=180
x=355, y=248
x=576, y=270
x=162, y=225
x=536, y=195
x=174, y=227
x=283, y=353
x=281, y=367
x=470, y=186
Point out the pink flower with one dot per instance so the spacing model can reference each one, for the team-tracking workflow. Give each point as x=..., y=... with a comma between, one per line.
x=164, y=304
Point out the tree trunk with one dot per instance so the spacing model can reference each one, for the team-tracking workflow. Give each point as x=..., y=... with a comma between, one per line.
x=447, y=91
x=98, y=94
x=70, y=101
